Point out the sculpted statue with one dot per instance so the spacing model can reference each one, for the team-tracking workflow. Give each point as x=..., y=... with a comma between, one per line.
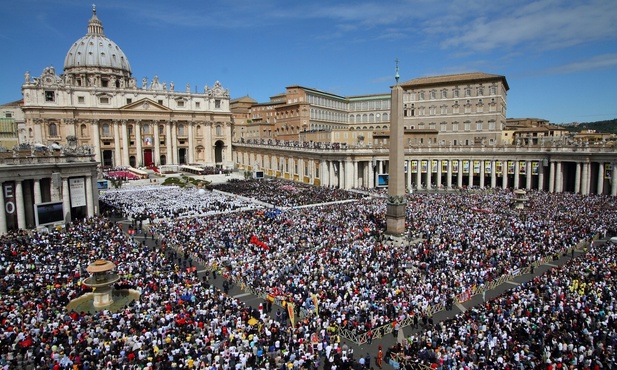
x=27, y=76
x=144, y=83
x=171, y=86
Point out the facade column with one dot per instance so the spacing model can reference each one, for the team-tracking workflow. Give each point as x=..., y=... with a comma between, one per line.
x=3, y=228
x=459, y=175
x=600, y=178
x=37, y=192
x=419, y=175
x=117, y=154
x=349, y=181
x=89, y=197
x=429, y=174
x=540, y=176
x=157, y=143
x=19, y=203
x=209, y=158
x=470, y=185
x=613, y=179
x=66, y=200
x=493, y=174
x=439, y=174
x=323, y=171
x=409, y=176
x=174, y=141
x=168, y=145
x=191, y=143
x=96, y=139
x=551, y=177
x=577, y=178
x=528, y=175
x=125, y=145
x=449, y=173
x=517, y=174
x=504, y=174
x=558, y=178
x=585, y=180
x=482, y=174
x=355, y=174
x=139, y=156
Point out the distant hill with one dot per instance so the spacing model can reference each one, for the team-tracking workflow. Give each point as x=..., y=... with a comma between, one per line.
x=609, y=126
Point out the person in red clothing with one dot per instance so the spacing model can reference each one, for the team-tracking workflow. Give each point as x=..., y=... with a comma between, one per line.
x=379, y=357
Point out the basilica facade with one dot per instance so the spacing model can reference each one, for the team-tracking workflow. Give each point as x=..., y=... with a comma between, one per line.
x=97, y=102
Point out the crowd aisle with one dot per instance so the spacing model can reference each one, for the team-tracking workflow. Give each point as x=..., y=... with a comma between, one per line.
x=336, y=265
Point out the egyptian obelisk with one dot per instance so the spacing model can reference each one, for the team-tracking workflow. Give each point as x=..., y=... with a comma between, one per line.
x=395, y=213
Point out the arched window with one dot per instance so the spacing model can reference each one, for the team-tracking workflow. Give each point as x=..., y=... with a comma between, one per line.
x=198, y=130
x=53, y=129
x=83, y=129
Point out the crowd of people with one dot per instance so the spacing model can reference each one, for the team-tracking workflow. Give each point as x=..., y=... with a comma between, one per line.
x=333, y=261
x=564, y=319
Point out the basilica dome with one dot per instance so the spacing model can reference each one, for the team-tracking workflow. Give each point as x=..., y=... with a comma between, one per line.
x=94, y=50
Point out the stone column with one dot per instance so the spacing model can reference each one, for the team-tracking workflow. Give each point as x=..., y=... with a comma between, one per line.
x=139, y=156
x=37, y=192
x=558, y=178
x=577, y=178
x=191, y=143
x=208, y=144
x=89, y=197
x=482, y=173
x=19, y=204
x=551, y=178
x=356, y=175
x=174, y=141
x=157, y=143
x=586, y=179
x=600, y=178
x=396, y=204
x=117, y=154
x=493, y=174
x=470, y=174
x=96, y=140
x=3, y=228
x=528, y=175
x=504, y=167
x=614, y=179
x=168, y=141
x=517, y=174
x=438, y=173
x=459, y=176
x=125, y=145
x=227, y=147
x=540, y=176
x=449, y=174
x=66, y=199
x=323, y=173
x=429, y=174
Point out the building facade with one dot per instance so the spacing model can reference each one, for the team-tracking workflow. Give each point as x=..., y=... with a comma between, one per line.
x=98, y=102
x=45, y=187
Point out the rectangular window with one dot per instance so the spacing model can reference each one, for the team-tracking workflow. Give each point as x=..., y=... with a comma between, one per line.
x=491, y=125
x=444, y=126
x=455, y=127
x=104, y=100
x=217, y=103
x=50, y=96
x=180, y=103
x=197, y=104
x=81, y=99
x=129, y=100
x=467, y=126
x=431, y=125
x=160, y=102
x=479, y=126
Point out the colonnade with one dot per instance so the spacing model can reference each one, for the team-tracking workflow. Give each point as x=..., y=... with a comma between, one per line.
x=19, y=197
x=579, y=174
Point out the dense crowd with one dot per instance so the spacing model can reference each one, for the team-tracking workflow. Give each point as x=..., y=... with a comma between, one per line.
x=284, y=193
x=564, y=319
x=150, y=202
x=333, y=261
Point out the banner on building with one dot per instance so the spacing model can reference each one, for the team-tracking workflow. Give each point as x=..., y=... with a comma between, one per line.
x=424, y=166
x=455, y=166
x=465, y=166
x=77, y=188
x=10, y=209
x=434, y=166
x=444, y=166
x=476, y=167
x=535, y=168
x=608, y=170
x=291, y=313
x=510, y=168
x=414, y=166
x=488, y=168
x=499, y=168
x=522, y=167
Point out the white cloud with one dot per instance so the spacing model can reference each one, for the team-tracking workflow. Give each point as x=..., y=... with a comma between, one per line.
x=597, y=62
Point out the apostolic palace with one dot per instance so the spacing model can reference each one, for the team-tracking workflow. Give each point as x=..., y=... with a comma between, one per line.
x=95, y=114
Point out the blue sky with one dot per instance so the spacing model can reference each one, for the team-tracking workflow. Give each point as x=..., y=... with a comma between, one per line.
x=559, y=56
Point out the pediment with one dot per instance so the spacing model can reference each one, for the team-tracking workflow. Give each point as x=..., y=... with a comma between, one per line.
x=145, y=104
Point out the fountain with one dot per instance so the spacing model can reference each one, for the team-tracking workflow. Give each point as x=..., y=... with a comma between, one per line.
x=103, y=296
x=520, y=199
